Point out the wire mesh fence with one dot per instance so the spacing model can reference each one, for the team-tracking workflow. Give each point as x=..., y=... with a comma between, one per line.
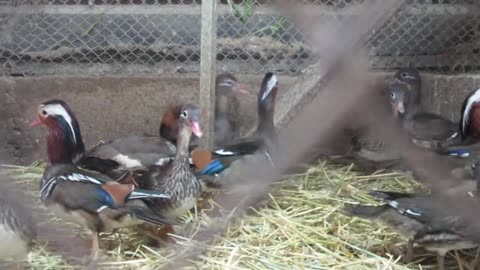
x=163, y=36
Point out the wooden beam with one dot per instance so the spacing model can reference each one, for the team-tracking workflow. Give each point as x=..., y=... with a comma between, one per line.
x=207, y=70
x=307, y=9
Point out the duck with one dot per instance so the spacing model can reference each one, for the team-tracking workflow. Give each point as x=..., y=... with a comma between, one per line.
x=371, y=153
x=410, y=77
x=368, y=149
x=427, y=130
x=116, y=157
x=85, y=197
x=469, y=126
x=18, y=228
x=227, y=109
x=212, y=162
x=178, y=180
x=417, y=218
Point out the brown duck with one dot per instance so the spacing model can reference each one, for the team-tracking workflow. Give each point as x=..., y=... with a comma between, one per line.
x=177, y=179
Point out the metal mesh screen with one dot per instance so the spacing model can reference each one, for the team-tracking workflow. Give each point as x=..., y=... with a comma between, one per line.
x=100, y=37
x=163, y=36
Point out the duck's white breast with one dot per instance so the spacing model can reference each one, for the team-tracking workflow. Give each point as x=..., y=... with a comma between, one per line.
x=182, y=207
x=12, y=246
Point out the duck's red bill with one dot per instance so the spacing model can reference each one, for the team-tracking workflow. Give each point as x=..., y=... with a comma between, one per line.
x=37, y=122
x=399, y=108
x=196, y=129
x=242, y=88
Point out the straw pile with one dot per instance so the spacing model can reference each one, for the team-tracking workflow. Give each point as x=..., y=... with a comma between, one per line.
x=300, y=226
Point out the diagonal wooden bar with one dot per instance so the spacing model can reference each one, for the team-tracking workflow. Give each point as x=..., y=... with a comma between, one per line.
x=250, y=183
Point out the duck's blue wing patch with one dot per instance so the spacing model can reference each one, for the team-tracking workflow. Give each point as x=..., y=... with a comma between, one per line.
x=462, y=153
x=214, y=167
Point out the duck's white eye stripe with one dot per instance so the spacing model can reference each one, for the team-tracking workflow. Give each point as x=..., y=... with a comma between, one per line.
x=222, y=152
x=59, y=110
x=270, y=84
x=474, y=98
x=227, y=83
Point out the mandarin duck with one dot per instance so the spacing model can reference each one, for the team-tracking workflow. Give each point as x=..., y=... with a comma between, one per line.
x=17, y=226
x=427, y=130
x=419, y=218
x=227, y=108
x=226, y=112
x=113, y=158
x=264, y=139
x=85, y=197
x=469, y=128
x=178, y=179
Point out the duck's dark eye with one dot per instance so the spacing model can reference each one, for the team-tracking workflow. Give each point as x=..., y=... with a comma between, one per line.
x=404, y=75
x=44, y=112
x=184, y=114
x=392, y=95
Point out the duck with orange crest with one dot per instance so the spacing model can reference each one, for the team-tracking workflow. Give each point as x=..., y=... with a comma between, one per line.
x=178, y=180
x=227, y=109
x=263, y=140
x=85, y=197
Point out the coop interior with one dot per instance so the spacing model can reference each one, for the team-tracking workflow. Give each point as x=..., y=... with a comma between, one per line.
x=120, y=63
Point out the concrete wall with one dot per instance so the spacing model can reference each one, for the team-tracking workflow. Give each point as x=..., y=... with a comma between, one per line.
x=106, y=107
x=111, y=107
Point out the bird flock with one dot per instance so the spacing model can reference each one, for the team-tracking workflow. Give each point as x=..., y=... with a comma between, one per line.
x=150, y=181
x=153, y=181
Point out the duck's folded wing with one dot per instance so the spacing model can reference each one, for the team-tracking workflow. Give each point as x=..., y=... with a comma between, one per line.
x=78, y=196
x=428, y=211
x=246, y=146
x=429, y=126
x=132, y=152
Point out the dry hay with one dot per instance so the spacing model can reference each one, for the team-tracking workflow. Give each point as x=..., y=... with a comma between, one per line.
x=299, y=226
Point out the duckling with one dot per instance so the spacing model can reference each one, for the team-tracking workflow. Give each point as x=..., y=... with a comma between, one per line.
x=113, y=158
x=419, y=219
x=84, y=197
x=18, y=229
x=264, y=139
x=178, y=180
x=427, y=130
x=226, y=112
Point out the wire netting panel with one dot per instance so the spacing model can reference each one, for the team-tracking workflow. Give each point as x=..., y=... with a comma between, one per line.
x=253, y=36
x=120, y=37
x=435, y=35
x=163, y=36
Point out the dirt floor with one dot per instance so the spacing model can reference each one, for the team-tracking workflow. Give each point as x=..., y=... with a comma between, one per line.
x=106, y=107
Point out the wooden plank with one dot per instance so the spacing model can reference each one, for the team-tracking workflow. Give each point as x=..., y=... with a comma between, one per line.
x=207, y=70
x=308, y=10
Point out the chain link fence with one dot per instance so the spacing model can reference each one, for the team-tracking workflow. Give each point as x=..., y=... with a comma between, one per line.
x=163, y=36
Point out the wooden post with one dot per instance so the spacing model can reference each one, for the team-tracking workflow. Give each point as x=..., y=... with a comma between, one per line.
x=208, y=71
